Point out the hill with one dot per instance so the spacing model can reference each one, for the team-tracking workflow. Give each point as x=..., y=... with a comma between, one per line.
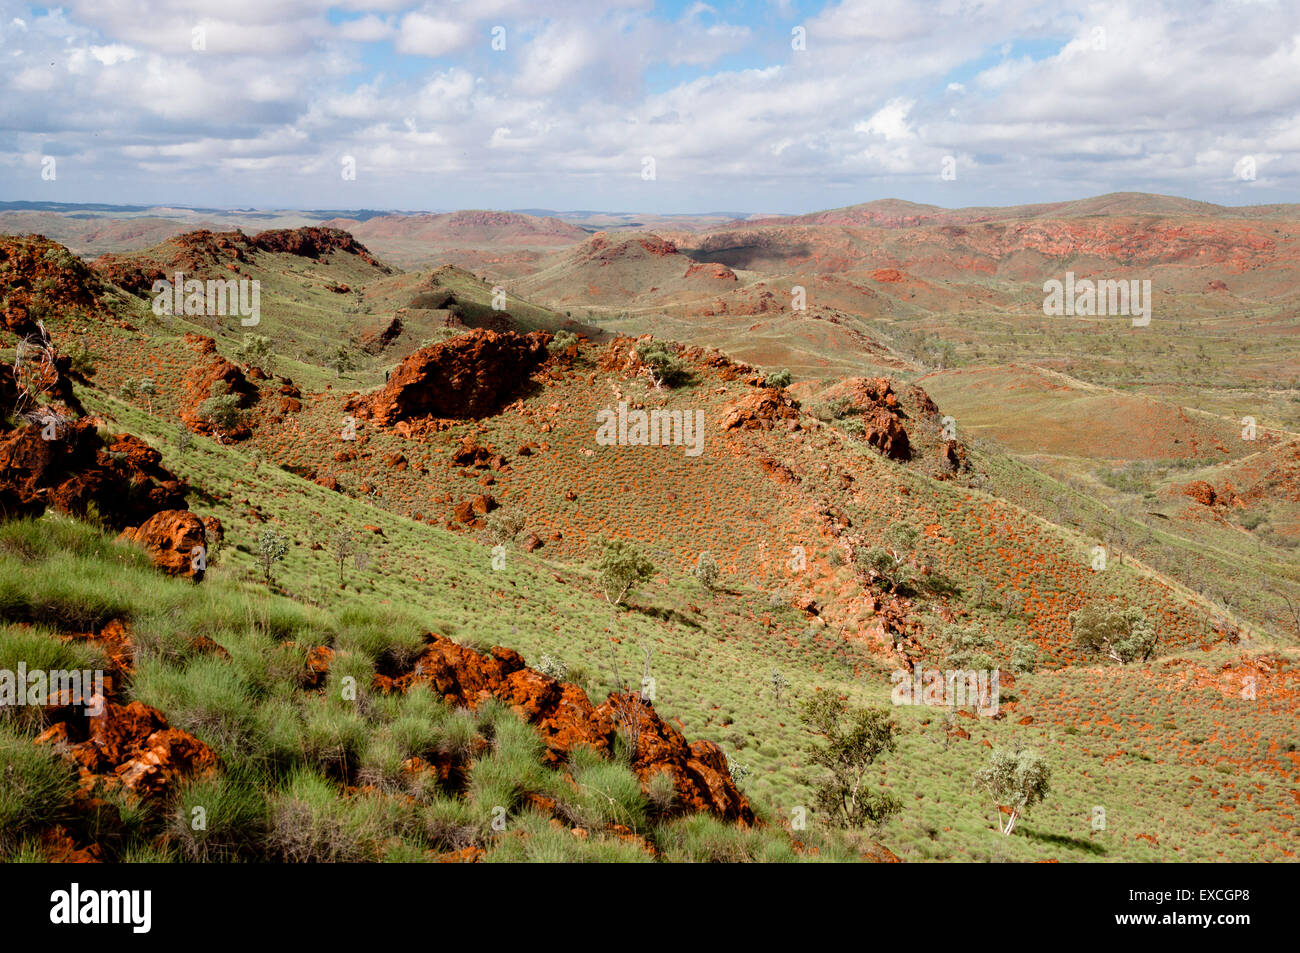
x=393, y=517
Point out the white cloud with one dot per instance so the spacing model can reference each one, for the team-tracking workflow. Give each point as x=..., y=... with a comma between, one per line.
x=890, y=121
x=422, y=35
x=1178, y=92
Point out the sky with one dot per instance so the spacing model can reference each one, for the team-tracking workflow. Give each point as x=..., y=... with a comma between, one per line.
x=769, y=106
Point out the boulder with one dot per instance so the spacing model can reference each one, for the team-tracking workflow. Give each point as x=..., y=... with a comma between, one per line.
x=171, y=538
x=467, y=377
x=760, y=410
x=565, y=718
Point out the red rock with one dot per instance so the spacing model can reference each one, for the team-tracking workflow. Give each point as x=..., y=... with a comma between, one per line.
x=469, y=376
x=131, y=745
x=710, y=270
x=313, y=241
x=760, y=410
x=123, y=481
x=565, y=718
x=471, y=453
x=171, y=538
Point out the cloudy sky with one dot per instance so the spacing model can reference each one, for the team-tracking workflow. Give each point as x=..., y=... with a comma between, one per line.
x=760, y=106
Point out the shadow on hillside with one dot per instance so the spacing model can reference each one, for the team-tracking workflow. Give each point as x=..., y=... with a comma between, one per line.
x=200, y=495
x=664, y=614
x=749, y=257
x=1061, y=840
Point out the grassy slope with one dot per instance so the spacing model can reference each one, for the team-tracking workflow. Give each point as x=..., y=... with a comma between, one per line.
x=713, y=666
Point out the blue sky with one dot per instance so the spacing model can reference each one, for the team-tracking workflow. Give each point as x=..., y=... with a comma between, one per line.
x=268, y=102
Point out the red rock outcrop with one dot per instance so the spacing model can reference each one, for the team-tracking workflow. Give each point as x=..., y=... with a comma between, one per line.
x=1201, y=492
x=40, y=278
x=198, y=388
x=171, y=538
x=124, y=480
x=566, y=718
x=760, y=410
x=376, y=342
x=710, y=270
x=128, y=745
x=470, y=376
x=313, y=242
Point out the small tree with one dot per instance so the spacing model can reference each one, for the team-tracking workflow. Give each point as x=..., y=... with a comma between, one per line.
x=343, y=545
x=342, y=360
x=1017, y=779
x=890, y=562
x=706, y=571
x=1024, y=658
x=148, y=390
x=256, y=351
x=80, y=359
x=621, y=567
x=222, y=409
x=184, y=439
x=665, y=368
x=966, y=646
x=504, y=525
x=853, y=739
x=129, y=389
x=1122, y=635
x=779, y=683
x=272, y=546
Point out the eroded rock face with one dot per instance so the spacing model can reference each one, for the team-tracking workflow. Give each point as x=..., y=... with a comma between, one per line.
x=760, y=410
x=313, y=241
x=882, y=418
x=129, y=745
x=124, y=480
x=172, y=538
x=470, y=376
x=566, y=718
x=199, y=382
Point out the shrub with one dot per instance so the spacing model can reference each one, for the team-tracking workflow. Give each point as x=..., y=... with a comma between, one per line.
x=1017, y=778
x=1122, y=635
x=665, y=368
x=621, y=567
x=553, y=667
x=706, y=571
x=504, y=525
x=562, y=341
x=221, y=408
x=256, y=351
x=1024, y=658
x=965, y=647
x=853, y=739
x=779, y=378
x=272, y=546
